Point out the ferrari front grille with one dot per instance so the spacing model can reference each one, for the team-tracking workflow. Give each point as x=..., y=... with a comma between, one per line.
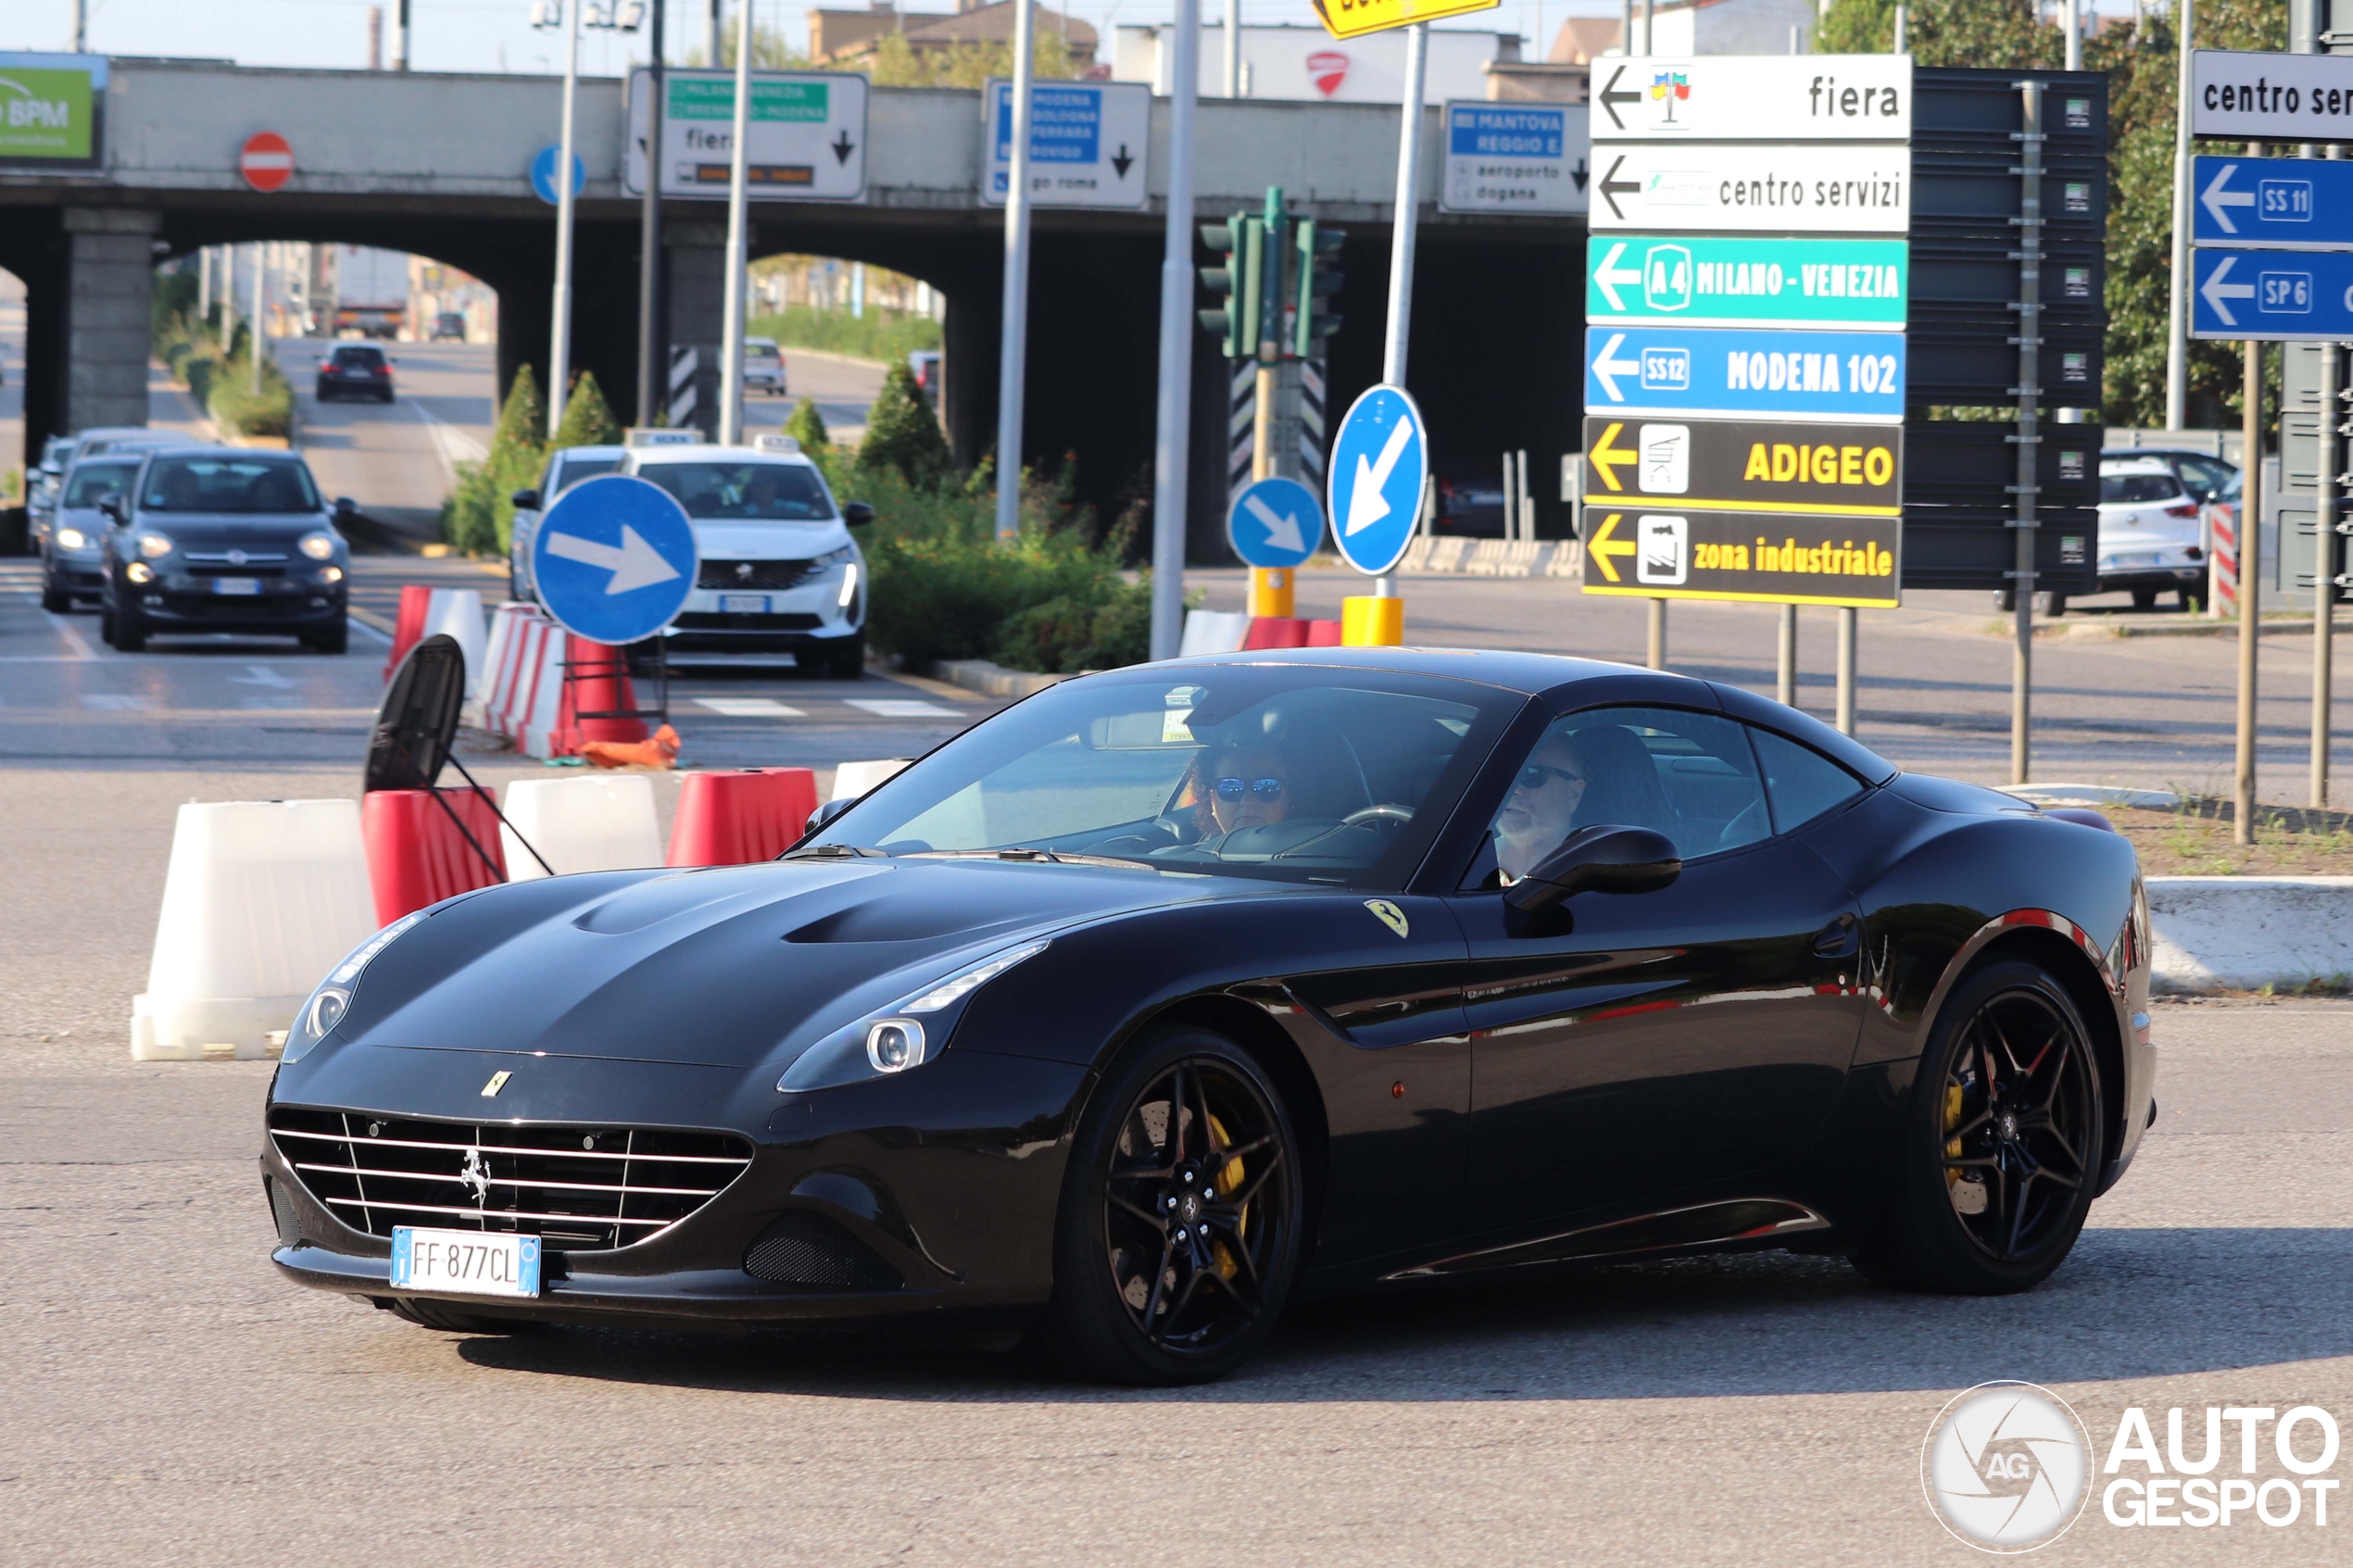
x=581, y=1189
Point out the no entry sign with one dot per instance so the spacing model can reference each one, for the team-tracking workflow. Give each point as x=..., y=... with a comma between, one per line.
x=267, y=162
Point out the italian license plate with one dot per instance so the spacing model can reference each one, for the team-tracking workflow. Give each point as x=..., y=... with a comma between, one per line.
x=470, y=1261
x=243, y=585
x=743, y=604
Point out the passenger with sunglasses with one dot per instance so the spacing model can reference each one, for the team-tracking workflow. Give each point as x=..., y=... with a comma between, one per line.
x=1600, y=773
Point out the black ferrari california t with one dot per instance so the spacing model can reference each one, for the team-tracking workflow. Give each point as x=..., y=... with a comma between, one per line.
x=1176, y=994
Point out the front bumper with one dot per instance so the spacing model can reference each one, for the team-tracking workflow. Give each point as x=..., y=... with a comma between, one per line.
x=82, y=574
x=2116, y=578
x=177, y=602
x=949, y=1177
x=809, y=616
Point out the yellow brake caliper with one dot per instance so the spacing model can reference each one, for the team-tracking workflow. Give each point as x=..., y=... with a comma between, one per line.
x=1228, y=1182
x=1952, y=1119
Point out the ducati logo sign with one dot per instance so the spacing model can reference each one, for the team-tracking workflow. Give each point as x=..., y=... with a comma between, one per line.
x=1390, y=915
x=2007, y=1467
x=1327, y=68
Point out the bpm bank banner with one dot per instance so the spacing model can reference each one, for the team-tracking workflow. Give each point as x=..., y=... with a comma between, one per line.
x=52, y=110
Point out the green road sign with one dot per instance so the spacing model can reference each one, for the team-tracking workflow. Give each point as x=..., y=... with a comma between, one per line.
x=1722, y=280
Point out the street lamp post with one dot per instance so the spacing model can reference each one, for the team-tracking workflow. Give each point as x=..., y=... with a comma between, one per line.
x=560, y=345
x=731, y=348
x=650, y=333
x=1173, y=449
x=1013, y=351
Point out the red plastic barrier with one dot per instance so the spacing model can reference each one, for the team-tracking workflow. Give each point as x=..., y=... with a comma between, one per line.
x=416, y=856
x=1322, y=635
x=1276, y=632
x=599, y=684
x=734, y=819
x=409, y=630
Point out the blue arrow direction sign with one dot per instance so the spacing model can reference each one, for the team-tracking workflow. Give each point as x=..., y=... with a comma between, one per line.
x=1380, y=462
x=542, y=174
x=1275, y=522
x=1703, y=370
x=614, y=559
x=2272, y=297
x=2272, y=203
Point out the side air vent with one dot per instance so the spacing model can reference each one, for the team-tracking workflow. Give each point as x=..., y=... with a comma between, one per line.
x=812, y=1251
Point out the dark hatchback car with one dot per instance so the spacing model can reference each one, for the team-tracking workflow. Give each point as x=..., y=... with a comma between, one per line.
x=224, y=539
x=354, y=369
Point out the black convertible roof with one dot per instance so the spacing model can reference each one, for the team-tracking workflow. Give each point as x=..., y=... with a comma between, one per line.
x=1579, y=682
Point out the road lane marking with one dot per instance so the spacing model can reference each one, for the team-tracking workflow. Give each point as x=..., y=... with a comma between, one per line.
x=72, y=638
x=115, y=702
x=261, y=675
x=750, y=708
x=901, y=707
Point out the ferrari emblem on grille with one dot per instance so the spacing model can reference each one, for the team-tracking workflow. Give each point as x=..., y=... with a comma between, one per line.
x=497, y=1081
x=475, y=1173
x=1389, y=915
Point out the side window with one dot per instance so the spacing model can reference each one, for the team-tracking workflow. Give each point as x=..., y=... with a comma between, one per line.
x=1687, y=775
x=1802, y=783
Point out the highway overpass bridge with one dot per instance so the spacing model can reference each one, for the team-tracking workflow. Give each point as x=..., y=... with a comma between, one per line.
x=437, y=165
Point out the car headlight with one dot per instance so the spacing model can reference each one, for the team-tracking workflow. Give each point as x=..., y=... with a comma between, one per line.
x=73, y=539
x=319, y=546
x=833, y=558
x=896, y=1039
x=154, y=546
x=140, y=571
x=326, y=1006
x=849, y=586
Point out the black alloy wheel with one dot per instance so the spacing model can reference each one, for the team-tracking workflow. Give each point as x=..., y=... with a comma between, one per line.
x=1182, y=1227
x=2005, y=1140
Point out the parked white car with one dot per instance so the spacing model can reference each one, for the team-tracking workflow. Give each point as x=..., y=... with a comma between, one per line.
x=2150, y=533
x=764, y=366
x=566, y=467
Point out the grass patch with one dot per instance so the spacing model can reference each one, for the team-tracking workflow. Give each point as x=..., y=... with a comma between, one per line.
x=2194, y=839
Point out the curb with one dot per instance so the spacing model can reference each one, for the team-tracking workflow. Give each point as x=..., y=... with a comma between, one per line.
x=2248, y=933
x=989, y=680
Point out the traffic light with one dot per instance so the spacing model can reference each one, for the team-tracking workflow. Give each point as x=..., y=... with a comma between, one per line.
x=1239, y=282
x=1317, y=273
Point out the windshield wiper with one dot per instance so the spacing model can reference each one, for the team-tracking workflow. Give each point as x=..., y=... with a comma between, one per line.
x=835, y=852
x=1020, y=853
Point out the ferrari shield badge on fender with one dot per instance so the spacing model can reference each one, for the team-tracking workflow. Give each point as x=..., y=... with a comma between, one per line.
x=497, y=1081
x=1389, y=915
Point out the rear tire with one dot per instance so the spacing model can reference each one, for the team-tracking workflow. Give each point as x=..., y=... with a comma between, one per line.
x=2006, y=599
x=2144, y=599
x=2003, y=1141
x=2054, y=605
x=1179, y=1237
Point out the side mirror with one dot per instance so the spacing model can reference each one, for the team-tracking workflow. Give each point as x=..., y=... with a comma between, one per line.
x=828, y=812
x=1598, y=859
x=858, y=514
x=111, y=506
x=345, y=507
x=525, y=500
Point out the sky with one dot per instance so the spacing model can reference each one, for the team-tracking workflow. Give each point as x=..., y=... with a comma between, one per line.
x=493, y=35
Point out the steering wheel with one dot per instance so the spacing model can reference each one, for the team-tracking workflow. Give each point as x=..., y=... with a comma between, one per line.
x=1396, y=816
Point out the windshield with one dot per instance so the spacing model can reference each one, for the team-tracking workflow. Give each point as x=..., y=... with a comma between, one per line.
x=93, y=481
x=782, y=492
x=228, y=484
x=571, y=471
x=761, y=351
x=1284, y=772
x=2128, y=488
x=368, y=359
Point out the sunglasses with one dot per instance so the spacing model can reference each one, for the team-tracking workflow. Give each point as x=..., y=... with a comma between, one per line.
x=1234, y=789
x=1535, y=773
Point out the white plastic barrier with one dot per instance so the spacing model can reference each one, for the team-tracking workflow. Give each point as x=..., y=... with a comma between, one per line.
x=524, y=698
x=855, y=779
x=456, y=613
x=505, y=663
x=262, y=897
x=1212, y=631
x=595, y=822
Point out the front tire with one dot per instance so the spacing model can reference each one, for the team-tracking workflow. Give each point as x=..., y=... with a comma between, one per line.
x=334, y=639
x=56, y=601
x=2002, y=1141
x=1182, y=1223
x=128, y=630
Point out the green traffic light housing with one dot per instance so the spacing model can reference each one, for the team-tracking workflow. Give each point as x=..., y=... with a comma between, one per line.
x=1238, y=283
x=1319, y=246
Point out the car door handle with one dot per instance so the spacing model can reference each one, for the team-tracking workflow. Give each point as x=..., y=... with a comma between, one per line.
x=1839, y=939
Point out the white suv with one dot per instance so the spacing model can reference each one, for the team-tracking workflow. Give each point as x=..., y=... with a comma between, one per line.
x=780, y=572
x=2150, y=533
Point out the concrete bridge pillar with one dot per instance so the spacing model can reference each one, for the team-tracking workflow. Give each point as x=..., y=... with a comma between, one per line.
x=697, y=311
x=109, y=275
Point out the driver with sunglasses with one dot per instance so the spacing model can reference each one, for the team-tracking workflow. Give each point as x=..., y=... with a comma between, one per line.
x=1247, y=787
x=1541, y=807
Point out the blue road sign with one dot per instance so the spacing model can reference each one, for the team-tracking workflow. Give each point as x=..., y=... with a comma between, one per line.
x=614, y=558
x=1379, y=464
x=2272, y=203
x=1275, y=522
x=2271, y=295
x=1703, y=370
x=542, y=174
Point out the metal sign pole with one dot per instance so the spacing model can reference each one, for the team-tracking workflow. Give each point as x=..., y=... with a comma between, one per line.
x=2324, y=538
x=1401, y=244
x=1785, y=678
x=1272, y=589
x=2029, y=347
x=1173, y=446
x=2250, y=579
x=560, y=345
x=1849, y=620
x=1013, y=343
x=650, y=335
x=2177, y=329
x=731, y=349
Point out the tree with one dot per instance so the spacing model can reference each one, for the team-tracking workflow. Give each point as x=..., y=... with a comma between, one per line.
x=903, y=434
x=588, y=419
x=807, y=427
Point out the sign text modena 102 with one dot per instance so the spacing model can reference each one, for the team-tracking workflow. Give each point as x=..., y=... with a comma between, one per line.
x=2254, y=97
x=1753, y=98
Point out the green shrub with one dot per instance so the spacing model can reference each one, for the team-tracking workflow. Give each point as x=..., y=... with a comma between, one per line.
x=807, y=426
x=238, y=409
x=903, y=434
x=1066, y=636
x=878, y=334
x=478, y=518
x=589, y=419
